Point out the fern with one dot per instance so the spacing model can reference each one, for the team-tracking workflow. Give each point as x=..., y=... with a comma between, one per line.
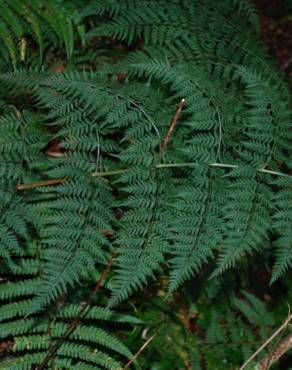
x=20, y=153
x=72, y=235
x=196, y=219
x=41, y=21
x=137, y=182
x=282, y=225
x=245, y=325
x=72, y=99
x=88, y=346
x=247, y=227
x=188, y=331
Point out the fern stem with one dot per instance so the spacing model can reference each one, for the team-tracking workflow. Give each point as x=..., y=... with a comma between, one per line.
x=123, y=170
x=222, y=165
x=138, y=106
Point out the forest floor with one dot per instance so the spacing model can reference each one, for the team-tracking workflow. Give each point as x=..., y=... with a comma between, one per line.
x=276, y=28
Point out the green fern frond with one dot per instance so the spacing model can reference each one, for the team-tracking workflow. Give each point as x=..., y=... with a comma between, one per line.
x=197, y=226
x=144, y=245
x=282, y=225
x=72, y=235
x=90, y=344
x=39, y=20
x=20, y=153
x=247, y=218
x=213, y=177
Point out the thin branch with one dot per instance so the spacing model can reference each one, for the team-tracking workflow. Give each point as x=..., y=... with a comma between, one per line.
x=76, y=321
x=275, y=346
x=62, y=180
x=109, y=173
x=137, y=354
x=222, y=165
x=220, y=135
x=40, y=183
x=269, y=340
x=286, y=64
x=172, y=125
x=123, y=170
x=283, y=347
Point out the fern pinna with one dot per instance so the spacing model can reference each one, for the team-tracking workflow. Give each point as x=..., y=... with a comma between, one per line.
x=34, y=336
x=136, y=180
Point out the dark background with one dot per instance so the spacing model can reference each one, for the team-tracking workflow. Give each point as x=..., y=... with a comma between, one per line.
x=276, y=28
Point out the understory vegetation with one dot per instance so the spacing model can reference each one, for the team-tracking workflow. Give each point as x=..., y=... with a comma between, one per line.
x=146, y=187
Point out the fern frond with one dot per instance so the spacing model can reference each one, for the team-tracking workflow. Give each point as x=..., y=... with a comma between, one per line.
x=247, y=218
x=40, y=20
x=213, y=177
x=145, y=244
x=282, y=225
x=89, y=345
x=72, y=236
x=197, y=227
x=20, y=152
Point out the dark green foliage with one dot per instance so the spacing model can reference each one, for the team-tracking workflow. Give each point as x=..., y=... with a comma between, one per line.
x=105, y=181
x=88, y=346
x=208, y=334
x=22, y=139
x=22, y=22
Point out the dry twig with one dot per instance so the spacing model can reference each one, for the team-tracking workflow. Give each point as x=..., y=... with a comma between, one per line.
x=128, y=364
x=279, y=351
x=269, y=340
x=172, y=125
